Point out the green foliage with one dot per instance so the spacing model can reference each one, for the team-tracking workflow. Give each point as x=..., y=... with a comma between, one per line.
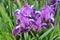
x=7, y=22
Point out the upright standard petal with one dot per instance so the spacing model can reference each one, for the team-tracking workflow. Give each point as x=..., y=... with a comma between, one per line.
x=26, y=10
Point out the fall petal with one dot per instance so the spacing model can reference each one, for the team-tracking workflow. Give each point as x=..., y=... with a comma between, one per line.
x=45, y=25
x=16, y=30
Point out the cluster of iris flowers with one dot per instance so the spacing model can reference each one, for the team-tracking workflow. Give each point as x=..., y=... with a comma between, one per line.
x=28, y=18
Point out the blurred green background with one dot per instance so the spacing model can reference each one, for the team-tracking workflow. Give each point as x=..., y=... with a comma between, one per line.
x=7, y=21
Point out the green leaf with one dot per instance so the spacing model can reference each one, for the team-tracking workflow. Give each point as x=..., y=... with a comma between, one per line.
x=46, y=33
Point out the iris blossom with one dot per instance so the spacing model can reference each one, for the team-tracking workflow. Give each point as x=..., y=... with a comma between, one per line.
x=47, y=14
x=22, y=18
x=28, y=18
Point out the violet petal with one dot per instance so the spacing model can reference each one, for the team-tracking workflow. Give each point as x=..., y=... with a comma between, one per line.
x=16, y=30
x=45, y=25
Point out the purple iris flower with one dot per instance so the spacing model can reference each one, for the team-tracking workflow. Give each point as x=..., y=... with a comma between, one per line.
x=47, y=13
x=29, y=19
x=22, y=19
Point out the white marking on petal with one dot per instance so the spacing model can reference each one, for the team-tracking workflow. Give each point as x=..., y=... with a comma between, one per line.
x=32, y=6
x=28, y=27
x=31, y=20
x=18, y=11
x=38, y=12
x=17, y=27
x=44, y=24
x=52, y=19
